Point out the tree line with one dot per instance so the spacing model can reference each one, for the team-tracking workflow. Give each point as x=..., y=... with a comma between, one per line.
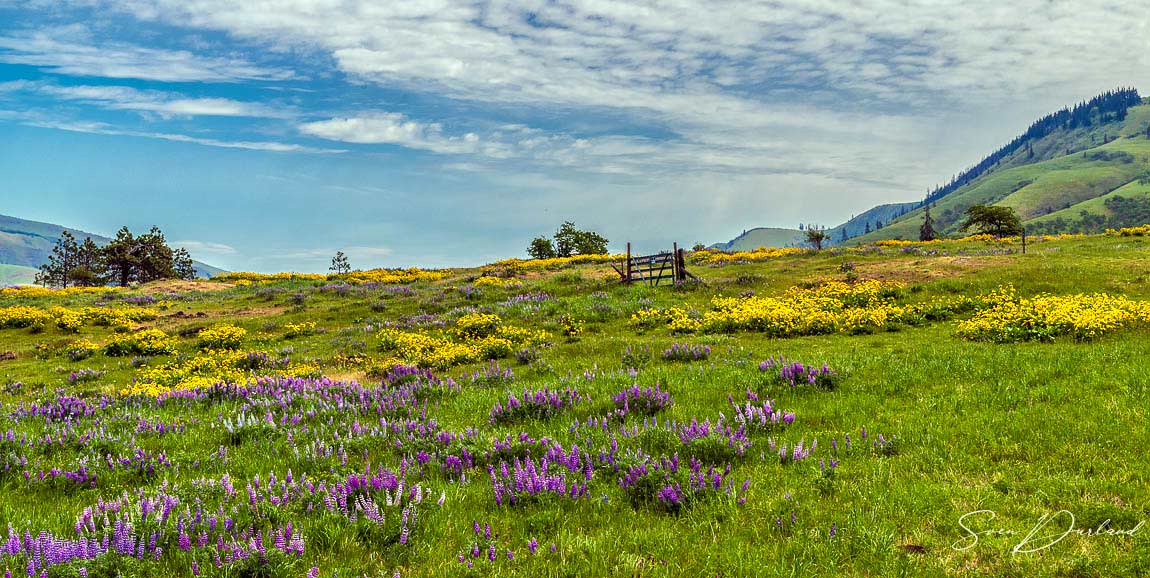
x=124, y=260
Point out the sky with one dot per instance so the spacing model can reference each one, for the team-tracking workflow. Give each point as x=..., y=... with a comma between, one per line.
x=266, y=135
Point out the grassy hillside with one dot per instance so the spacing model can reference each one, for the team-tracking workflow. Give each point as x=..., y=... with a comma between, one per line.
x=1066, y=184
x=857, y=225
x=763, y=237
x=917, y=427
x=28, y=243
x=16, y=275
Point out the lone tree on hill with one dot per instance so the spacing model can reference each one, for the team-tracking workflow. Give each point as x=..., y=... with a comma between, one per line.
x=569, y=240
x=816, y=237
x=340, y=264
x=541, y=248
x=926, y=231
x=992, y=220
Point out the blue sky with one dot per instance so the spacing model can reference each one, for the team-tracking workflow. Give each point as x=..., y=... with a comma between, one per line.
x=267, y=135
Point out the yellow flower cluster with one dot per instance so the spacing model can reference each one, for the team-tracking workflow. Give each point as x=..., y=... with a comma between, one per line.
x=1009, y=318
x=30, y=292
x=80, y=349
x=301, y=329
x=223, y=336
x=829, y=308
x=144, y=342
x=385, y=276
x=713, y=257
x=554, y=262
x=479, y=336
x=389, y=276
x=1141, y=231
x=676, y=318
x=73, y=319
x=209, y=367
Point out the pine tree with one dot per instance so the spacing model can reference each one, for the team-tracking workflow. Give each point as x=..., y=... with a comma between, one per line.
x=121, y=257
x=340, y=264
x=57, y=272
x=867, y=230
x=926, y=232
x=90, y=270
x=182, y=264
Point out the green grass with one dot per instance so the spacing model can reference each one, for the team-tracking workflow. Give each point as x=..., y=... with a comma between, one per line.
x=1020, y=429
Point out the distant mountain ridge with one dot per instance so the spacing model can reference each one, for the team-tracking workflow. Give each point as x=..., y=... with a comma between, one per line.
x=1078, y=170
x=25, y=245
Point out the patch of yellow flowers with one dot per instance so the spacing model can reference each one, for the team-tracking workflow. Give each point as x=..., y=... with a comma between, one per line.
x=301, y=329
x=833, y=307
x=31, y=292
x=477, y=336
x=385, y=276
x=144, y=342
x=223, y=336
x=1010, y=318
x=1140, y=231
x=205, y=369
x=713, y=257
x=71, y=320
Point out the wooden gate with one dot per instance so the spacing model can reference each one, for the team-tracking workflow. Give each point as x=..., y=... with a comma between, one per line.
x=653, y=269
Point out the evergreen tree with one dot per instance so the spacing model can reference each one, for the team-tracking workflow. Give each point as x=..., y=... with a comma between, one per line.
x=155, y=259
x=90, y=270
x=843, y=235
x=340, y=264
x=926, y=232
x=867, y=230
x=57, y=272
x=182, y=264
x=121, y=257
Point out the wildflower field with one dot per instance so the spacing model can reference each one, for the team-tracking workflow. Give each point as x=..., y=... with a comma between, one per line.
x=905, y=409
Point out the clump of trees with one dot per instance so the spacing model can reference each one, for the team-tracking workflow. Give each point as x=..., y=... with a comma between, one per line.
x=567, y=241
x=993, y=220
x=124, y=260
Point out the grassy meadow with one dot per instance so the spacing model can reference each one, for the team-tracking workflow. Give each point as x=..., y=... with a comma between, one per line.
x=130, y=459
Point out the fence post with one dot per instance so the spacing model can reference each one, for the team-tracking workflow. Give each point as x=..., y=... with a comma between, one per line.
x=675, y=263
x=628, y=279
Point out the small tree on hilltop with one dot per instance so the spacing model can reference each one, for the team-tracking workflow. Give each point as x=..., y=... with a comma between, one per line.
x=992, y=220
x=816, y=237
x=90, y=270
x=569, y=240
x=926, y=231
x=541, y=248
x=182, y=264
x=340, y=264
x=121, y=258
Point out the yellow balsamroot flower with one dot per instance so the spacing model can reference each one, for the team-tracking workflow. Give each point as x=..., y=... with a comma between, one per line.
x=476, y=325
x=67, y=319
x=832, y=307
x=21, y=316
x=488, y=281
x=648, y=318
x=222, y=336
x=517, y=264
x=80, y=349
x=714, y=257
x=1140, y=231
x=1009, y=318
x=144, y=342
x=36, y=292
x=301, y=329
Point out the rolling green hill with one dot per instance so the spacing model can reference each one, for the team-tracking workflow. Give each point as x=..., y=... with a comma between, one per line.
x=26, y=245
x=763, y=237
x=1072, y=180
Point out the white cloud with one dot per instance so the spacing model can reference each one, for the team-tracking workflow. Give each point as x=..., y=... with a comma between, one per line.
x=105, y=129
x=201, y=247
x=55, y=51
x=164, y=104
x=391, y=128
